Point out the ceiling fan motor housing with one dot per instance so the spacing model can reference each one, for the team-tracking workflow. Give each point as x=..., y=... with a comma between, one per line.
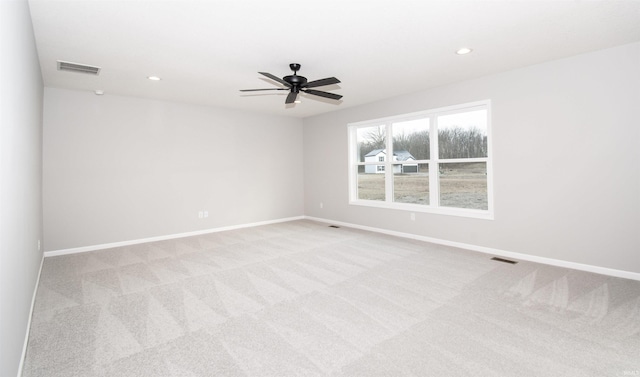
x=295, y=80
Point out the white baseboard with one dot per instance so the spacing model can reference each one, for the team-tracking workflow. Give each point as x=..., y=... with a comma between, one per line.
x=482, y=249
x=33, y=303
x=492, y=251
x=82, y=249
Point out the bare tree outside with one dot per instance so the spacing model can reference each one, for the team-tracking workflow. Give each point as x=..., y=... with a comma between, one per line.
x=413, y=136
x=371, y=138
x=458, y=142
x=463, y=135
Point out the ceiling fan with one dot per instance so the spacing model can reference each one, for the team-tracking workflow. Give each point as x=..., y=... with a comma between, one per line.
x=297, y=84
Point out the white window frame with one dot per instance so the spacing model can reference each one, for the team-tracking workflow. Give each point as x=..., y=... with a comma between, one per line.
x=434, y=186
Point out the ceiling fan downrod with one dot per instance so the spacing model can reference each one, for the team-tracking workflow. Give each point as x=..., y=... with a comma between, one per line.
x=295, y=80
x=295, y=67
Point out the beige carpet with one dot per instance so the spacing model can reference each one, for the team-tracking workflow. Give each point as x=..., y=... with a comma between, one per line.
x=303, y=299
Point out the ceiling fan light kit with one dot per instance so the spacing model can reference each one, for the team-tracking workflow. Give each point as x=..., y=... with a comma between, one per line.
x=296, y=84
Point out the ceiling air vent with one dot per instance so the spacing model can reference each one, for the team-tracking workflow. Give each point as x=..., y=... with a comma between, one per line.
x=75, y=67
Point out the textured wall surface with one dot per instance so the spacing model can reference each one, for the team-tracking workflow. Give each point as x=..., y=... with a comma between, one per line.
x=123, y=168
x=21, y=94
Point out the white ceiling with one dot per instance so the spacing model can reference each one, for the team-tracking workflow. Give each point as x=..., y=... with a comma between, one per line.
x=205, y=51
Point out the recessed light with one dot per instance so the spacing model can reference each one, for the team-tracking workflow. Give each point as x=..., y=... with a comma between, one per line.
x=154, y=78
x=98, y=92
x=297, y=101
x=463, y=51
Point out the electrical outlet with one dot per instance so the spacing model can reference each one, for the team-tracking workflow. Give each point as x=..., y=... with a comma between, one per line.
x=206, y=213
x=200, y=214
x=39, y=245
x=413, y=216
x=321, y=205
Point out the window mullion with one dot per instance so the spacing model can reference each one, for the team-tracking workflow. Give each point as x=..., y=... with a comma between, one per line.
x=388, y=169
x=434, y=166
x=353, y=164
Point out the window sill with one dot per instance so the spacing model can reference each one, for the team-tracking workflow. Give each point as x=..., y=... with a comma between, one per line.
x=461, y=212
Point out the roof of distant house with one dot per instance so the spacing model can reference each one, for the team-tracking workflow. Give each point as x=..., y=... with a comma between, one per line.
x=374, y=152
x=402, y=155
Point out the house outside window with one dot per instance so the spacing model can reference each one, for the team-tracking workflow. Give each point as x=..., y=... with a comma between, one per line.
x=440, y=161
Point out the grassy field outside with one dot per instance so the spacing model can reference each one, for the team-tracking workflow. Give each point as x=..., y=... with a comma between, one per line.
x=461, y=186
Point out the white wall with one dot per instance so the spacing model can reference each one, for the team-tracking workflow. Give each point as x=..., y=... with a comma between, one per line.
x=566, y=161
x=20, y=178
x=121, y=168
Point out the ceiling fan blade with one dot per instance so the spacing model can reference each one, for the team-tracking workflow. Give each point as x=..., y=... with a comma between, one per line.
x=255, y=90
x=322, y=82
x=291, y=97
x=275, y=78
x=323, y=94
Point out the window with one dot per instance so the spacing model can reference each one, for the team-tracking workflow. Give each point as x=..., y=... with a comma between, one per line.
x=439, y=161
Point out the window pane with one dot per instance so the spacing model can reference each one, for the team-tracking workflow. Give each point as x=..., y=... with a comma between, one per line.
x=411, y=183
x=370, y=182
x=464, y=185
x=463, y=135
x=411, y=140
x=371, y=143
